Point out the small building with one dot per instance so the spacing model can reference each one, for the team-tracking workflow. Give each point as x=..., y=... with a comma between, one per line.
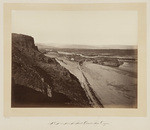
x=72, y=59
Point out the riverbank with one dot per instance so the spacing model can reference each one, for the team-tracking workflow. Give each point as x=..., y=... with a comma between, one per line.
x=75, y=69
x=115, y=88
x=112, y=87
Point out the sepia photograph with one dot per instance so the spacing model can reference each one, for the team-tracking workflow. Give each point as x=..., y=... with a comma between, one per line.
x=74, y=65
x=75, y=59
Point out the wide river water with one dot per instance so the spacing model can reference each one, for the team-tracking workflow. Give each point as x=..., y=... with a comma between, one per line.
x=114, y=87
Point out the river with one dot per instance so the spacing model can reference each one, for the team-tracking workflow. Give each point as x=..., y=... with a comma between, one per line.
x=105, y=86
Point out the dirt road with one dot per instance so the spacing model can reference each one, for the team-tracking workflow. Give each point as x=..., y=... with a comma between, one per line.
x=76, y=70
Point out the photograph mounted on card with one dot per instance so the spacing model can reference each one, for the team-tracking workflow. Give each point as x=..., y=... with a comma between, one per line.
x=75, y=59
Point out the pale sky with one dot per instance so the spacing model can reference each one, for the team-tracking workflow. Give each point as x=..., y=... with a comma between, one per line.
x=78, y=27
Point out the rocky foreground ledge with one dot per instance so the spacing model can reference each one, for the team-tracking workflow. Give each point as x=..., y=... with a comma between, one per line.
x=40, y=81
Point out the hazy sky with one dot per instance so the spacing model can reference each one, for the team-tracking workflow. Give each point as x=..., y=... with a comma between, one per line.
x=78, y=27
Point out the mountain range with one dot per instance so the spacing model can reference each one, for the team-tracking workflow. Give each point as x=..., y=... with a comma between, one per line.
x=74, y=46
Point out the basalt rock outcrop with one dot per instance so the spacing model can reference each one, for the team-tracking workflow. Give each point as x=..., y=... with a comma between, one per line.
x=39, y=81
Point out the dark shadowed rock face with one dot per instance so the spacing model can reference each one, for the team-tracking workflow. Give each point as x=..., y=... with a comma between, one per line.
x=23, y=41
x=41, y=81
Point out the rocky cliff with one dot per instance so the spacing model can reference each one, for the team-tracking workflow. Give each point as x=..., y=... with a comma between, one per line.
x=40, y=81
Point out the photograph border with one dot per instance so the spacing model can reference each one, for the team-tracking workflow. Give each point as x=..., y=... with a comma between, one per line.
x=142, y=86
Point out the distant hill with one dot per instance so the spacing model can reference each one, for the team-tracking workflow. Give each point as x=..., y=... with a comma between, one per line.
x=73, y=46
